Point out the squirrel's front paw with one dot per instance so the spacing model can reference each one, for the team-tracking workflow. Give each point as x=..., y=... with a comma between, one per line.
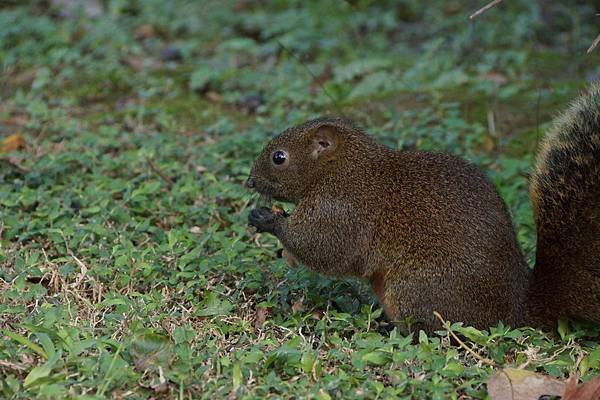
x=264, y=219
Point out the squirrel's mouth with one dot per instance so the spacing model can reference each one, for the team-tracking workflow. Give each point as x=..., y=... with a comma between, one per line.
x=257, y=186
x=268, y=190
x=261, y=186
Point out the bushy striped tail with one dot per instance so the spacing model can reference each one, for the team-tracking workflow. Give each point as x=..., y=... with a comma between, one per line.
x=565, y=193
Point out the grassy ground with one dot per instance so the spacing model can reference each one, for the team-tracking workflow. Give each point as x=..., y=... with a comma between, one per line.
x=126, y=266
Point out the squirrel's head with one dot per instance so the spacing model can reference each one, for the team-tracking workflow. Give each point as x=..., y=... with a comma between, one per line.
x=294, y=161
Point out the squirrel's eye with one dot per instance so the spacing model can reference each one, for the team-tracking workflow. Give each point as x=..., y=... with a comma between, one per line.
x=279, y=157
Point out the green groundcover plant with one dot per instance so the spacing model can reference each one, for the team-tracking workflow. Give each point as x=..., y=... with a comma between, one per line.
x=127, y=269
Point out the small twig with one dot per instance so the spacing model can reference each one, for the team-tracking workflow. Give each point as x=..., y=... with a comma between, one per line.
x=13, y=366
x=446, y=325
x=158, y=172
x=492, y=124
x=82, y=274
x=594, y=44
x=537, y=116
x=10, y=162
x=485, y=8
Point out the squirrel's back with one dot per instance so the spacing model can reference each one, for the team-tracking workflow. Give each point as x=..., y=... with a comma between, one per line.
x=565, y=194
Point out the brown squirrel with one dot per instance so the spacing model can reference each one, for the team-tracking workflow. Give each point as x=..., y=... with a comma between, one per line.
x=429, y=230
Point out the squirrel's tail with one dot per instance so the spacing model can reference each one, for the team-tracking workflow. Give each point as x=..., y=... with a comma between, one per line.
x=565, y=193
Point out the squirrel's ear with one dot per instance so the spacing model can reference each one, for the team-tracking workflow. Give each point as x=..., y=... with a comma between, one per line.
x=325, y=141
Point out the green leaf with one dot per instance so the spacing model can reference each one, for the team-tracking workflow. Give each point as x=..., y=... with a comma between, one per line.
x=323, y=395
x=454, y=368
x=212, y=305
x=563, y=328
x=376, y=358
x=151, y=350
x=584, y=365
x=236, y=375
x=239, y=45
x=594, y=358
x=308, y=360
x=26, y=342
x=360, y=67
x=474, y=334
x=117, y=301
x=46, y=343
x=201, y=77
x=43, y=370
x=377, y=83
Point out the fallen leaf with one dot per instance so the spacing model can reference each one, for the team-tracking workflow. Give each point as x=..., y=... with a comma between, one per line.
x=25, y=78
x=261, y=317
x=144, y=32
x=289, y=259
x=520, y=384
x=12, y=142
x=16, y=121
x=495, y=77
x=279, y=210
x=585, y=391
x=298, y=305
x=138, y=62
x=488, y=144
x=214, y=96
x=318, y=314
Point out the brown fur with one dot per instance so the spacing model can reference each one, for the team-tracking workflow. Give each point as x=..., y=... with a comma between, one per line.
x=565, y=193
x=429, y=230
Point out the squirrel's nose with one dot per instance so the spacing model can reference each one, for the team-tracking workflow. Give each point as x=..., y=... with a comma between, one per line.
x=250, y=183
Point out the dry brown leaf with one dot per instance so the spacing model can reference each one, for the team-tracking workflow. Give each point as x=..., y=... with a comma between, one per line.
x=495, y=77
x=277, y=209
x=12, y=142
x=25, y=78
x=136, y=63
x=261, y=317
x=289, y=259
x=16, y=121
x=488, y=144
x=586, y=391
x=298, y=305
x=214, y=97
x=144, y=32
x=15, y=162
x=520, y=384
